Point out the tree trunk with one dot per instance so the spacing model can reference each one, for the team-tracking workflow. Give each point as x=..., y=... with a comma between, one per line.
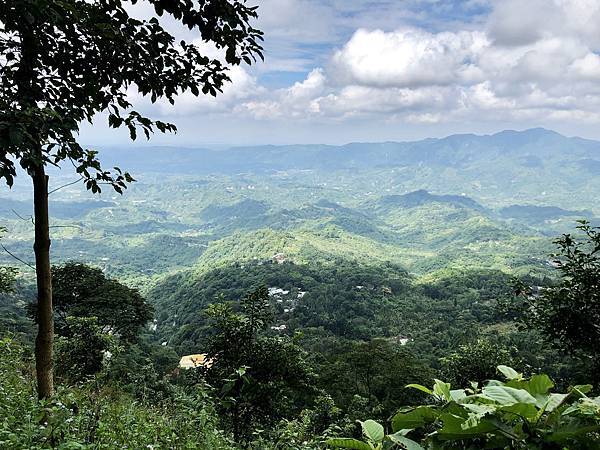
x=45, y=338
x=29, y=95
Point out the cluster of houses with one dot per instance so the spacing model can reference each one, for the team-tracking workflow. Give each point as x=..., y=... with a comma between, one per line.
x=288, y=301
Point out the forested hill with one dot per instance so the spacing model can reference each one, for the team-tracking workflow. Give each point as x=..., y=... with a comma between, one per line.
x=534, y=148
x=492, y=201
x=372, y=266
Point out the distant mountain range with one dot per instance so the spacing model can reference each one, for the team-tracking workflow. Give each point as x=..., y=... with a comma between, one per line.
x=531, y=149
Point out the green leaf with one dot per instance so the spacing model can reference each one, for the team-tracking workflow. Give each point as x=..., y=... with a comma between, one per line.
x=476, y=414
x=456, y=427
x=539, y=385
x=458, y=395
x=373, y=430
x=505, y=395
x=420, y=388
x=582, y=388
x=442, y=390
x=510, y=373
x=526, y=410
x=408, y=444
x=414, y=418
x=348, y=443
x=553, y=401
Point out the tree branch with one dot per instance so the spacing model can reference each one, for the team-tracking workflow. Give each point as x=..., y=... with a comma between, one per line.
x=16, y=257
x=65, y=185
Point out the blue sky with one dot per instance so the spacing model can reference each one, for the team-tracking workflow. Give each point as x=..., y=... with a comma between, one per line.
x=338, y=71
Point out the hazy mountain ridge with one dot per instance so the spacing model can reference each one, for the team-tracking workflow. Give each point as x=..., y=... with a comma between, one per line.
x=455, y=151
x=382, y=202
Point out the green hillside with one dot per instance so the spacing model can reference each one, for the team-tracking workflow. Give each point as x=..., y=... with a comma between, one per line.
x=373, y=266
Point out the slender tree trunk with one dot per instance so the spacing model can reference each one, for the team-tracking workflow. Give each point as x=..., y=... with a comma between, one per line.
x=45, y=338
x=29, y=94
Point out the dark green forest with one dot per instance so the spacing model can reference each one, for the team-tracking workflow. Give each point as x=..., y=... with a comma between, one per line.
x=437, y=294
x=314, y=317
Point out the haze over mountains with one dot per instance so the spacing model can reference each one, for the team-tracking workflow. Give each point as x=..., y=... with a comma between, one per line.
x=464, y=199
x=534, y=147
x=401, y=241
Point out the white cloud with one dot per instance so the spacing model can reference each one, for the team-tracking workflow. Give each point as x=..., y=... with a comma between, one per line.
x=299, y=100
x=518, y=22
x=532, y=60
x=408, y=58
x=374, y=62
x=587, y=67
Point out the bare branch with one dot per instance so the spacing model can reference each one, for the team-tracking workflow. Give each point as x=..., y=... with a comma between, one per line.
x=65, y=185
x=23, y=218
x=16, y=257
x=66, y=226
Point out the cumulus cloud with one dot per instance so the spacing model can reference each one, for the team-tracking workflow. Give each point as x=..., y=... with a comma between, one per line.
x=535, y=60
x=409, y=58
x=296, y=101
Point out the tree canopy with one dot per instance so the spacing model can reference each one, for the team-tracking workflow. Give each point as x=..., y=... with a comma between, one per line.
x=7, y=274
x=569, y=313
x=84, y=291
x=63, y=62
x=66, y=61
x=261, y=378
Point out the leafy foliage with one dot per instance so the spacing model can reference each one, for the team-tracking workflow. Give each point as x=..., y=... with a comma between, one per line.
x=260, y=379
x=375, y=371
x=7, y=274
x=477, y=360
x=519, y=413
x=84, y=291
x=516, y=413
x=87, y=418
x=7, y=279
x=66, y=61
x=375, y=439
x=82, y=353
x=569, y=312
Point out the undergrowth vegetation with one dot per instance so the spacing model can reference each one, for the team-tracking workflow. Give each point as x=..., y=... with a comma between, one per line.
x=94, y=415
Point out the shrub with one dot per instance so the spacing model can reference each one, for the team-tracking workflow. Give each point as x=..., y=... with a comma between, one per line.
x=518, y=413
x=85, y=418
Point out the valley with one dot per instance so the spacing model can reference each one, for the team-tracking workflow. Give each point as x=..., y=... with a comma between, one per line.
x=412, y=214
x=387, y=245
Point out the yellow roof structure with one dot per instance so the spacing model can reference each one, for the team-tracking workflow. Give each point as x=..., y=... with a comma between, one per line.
x=194, y=361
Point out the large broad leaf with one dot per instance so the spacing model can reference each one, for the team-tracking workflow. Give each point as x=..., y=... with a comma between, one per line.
x=539, y=385
x=415, y=418
x=407, y=443
x=581, y=389
x=420, y=388
x=348, y=443
x=526, y=410
x=442, y=390
x=458, y=395
x=553, y=401
x=475, y=414
x=510, y=373
x=456, y=427
x=373, y=430
x=505, y=395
